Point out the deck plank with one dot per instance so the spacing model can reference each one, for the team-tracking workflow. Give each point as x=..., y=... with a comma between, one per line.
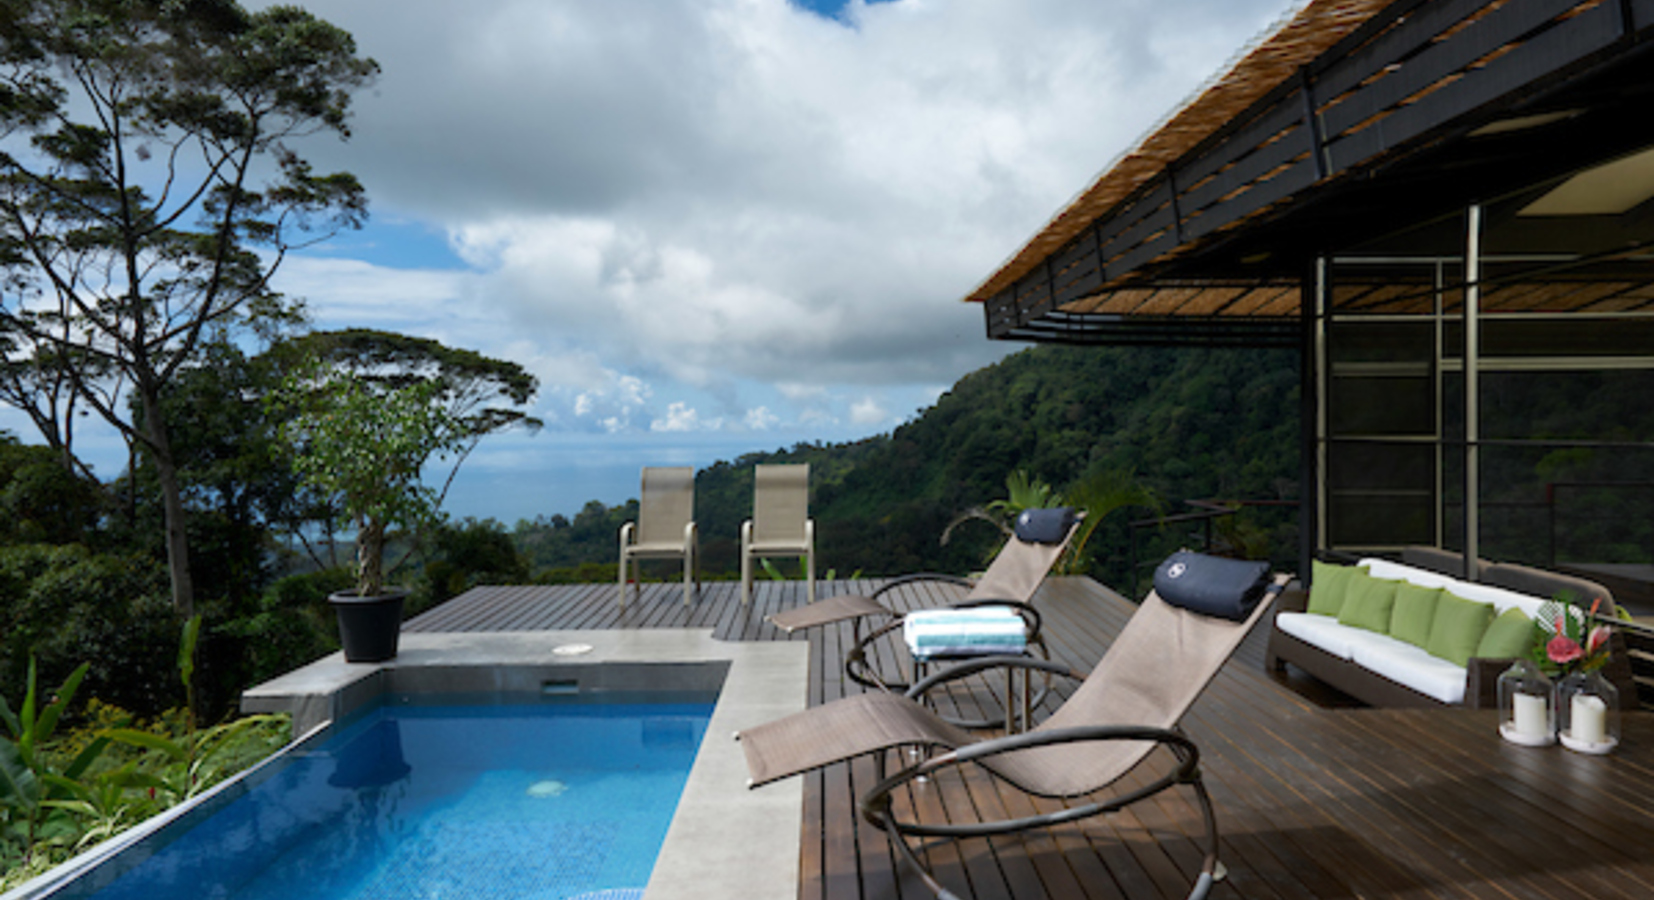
x=1314, y=799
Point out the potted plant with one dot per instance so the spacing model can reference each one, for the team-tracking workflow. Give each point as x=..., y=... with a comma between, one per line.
x=364, y=445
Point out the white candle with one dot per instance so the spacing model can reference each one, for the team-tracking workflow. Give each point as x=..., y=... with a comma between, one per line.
x=1589, y=719
x=1531, y=717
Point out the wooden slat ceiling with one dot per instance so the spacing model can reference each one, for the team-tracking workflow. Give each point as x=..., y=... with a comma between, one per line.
x=1373, y=299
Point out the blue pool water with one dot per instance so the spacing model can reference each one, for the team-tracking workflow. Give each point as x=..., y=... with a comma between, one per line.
x=539, y=801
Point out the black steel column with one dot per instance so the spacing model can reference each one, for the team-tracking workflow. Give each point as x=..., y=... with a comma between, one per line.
x=1309, y=415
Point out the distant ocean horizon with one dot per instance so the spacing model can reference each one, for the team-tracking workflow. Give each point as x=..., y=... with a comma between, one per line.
x=515, y=475
x=512, y=477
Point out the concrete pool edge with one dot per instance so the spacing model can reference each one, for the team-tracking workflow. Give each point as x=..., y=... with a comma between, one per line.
x=725, y=840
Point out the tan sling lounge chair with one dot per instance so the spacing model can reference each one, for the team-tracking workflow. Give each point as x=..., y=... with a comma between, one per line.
x=780, y=523
x=665, y=527
x=1036, y=543
x=1129, y=705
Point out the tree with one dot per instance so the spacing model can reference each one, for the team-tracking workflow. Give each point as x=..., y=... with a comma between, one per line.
x=149, y=189
x=237, y=486
x=41, y=502
x=369, y=449
x=368, y=410
x=477, y=392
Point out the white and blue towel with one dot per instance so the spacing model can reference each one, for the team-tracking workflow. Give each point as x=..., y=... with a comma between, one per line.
x=978, y=631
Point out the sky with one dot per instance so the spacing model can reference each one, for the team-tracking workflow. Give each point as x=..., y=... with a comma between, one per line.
x=712, y=227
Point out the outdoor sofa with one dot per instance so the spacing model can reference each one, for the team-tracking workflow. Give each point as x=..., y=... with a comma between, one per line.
x=1452, y=655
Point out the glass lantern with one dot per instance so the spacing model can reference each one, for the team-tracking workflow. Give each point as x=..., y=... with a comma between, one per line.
x=1527, y=715
x=1588, y=713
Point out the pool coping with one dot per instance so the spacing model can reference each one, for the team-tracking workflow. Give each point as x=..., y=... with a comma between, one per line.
x=725, y=839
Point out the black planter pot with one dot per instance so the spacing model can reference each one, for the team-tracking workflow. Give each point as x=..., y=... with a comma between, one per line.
x=369, y=626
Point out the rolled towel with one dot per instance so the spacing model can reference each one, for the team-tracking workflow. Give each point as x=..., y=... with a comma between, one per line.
x=979, y=631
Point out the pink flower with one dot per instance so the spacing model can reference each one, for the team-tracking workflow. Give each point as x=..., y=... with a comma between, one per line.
x=1597, y=640
x=1563, y=650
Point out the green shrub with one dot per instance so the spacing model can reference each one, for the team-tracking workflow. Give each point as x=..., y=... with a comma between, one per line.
x=65, y=604
x=294, y=625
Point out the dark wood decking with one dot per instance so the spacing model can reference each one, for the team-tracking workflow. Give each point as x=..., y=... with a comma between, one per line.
x=1313, y=801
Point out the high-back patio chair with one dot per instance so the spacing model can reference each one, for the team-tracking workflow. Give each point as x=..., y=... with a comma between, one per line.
x=780, y=525
x=1128, y=706
x=665, y=527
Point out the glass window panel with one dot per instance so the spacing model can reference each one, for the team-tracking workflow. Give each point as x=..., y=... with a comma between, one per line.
x=1382, y=406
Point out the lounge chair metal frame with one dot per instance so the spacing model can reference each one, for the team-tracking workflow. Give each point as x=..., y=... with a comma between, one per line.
x=859, y=669
x=989, y=591
x=1133, y=702
x=878, y=810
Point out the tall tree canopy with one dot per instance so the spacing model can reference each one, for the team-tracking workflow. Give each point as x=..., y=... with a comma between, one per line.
x=149, y=188
x=366, y=410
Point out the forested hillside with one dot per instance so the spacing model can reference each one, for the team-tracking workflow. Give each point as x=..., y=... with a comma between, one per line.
x=1187, y=423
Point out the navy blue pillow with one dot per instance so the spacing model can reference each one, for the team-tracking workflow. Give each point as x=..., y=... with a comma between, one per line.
x=1045, y=526
x=1211, y=585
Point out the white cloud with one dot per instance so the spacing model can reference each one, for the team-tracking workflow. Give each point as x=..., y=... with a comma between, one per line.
x=792, y=390
x=364, y=295
x=609, y=404
x=759, y=418
x=736, y=206
x=681, y=416
x=868, y=411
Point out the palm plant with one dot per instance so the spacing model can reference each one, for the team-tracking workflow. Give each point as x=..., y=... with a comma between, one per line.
x=1099, y=494
x=1023, y=492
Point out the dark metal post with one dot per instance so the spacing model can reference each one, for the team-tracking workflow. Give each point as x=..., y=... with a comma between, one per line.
x=1309, y=445
x=1472, y=390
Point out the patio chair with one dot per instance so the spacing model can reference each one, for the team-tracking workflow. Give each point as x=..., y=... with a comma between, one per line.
x=780, y=523
x=1186, y=628
x=665, y=527
x=1037, y=541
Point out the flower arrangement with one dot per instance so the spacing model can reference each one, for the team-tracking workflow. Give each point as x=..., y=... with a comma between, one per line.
x=1569, y=639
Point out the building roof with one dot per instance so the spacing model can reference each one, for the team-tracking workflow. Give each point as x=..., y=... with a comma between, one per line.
x=1276, y=56
x=1361, y=130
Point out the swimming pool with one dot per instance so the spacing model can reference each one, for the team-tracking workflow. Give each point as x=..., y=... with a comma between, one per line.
x=532, y=796
x=724, y=841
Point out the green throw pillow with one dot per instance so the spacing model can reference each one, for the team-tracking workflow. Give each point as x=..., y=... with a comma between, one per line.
x=1327, y=587
x=1457, y=628
x=1509, y=637
x=1414, y=612
x=1367, y=603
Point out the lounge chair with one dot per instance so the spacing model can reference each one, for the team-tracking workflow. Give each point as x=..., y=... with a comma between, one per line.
x=1129, y=705
x=780, y=523
x=665, y=527
x=1036, y=543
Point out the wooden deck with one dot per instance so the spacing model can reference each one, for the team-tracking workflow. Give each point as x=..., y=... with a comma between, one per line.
x=1314, y=799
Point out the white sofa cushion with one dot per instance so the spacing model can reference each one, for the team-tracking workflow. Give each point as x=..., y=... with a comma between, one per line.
x=1410, y=666
x=1322, y=631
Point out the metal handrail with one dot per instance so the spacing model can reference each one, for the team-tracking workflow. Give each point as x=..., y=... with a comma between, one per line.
x=1209, y=512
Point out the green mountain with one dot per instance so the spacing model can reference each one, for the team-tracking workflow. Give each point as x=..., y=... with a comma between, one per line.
x=1187, y=423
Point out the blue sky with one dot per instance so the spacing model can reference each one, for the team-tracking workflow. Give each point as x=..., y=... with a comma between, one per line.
x=831, y=9
x=717, y=226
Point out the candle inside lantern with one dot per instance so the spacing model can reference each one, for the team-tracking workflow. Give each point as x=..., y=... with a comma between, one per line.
x=1531, y=718
x=1589, y=719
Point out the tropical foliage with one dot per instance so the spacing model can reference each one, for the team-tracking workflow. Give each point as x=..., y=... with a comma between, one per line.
x=61, y=795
